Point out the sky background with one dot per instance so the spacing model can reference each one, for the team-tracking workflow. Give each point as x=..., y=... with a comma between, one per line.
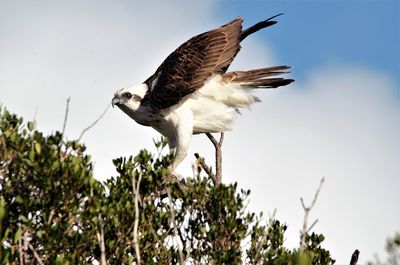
x=339, y=120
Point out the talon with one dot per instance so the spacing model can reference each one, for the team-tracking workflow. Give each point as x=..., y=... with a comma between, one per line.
x=174, y=176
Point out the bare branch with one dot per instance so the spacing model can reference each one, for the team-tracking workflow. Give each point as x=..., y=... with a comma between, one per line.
x=272, y=216
x=221, y=139
x=312, y=225
x=65, y=117
x=196, y=169
x=205, y=167
x=212, y=139
x=94, y=123
x=25, y=235
x=34, y=117
x=35, y=254
x=176, y=237
x=354, y=257
x=20, y=251
x=135, y=190
x=51, y=216
x=307, y=211
x=216, y=178
x=302, y=204
x=100, y=239
x=218, y=156
x=317, y=193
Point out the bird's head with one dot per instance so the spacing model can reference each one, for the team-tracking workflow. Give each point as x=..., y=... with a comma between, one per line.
x=129, y=99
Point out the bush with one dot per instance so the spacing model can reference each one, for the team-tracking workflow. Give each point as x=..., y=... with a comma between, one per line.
x=53, y=211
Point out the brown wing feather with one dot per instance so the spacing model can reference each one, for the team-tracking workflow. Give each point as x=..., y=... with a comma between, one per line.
x=189, y=66
x=259, y=78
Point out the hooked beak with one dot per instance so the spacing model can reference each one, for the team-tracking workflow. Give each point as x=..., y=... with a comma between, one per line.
x=115, y=101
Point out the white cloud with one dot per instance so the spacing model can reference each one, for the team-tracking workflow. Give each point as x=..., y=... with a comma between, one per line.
x=54, y=50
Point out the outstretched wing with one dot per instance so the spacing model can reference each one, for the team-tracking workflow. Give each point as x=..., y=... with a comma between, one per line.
x=192, y=63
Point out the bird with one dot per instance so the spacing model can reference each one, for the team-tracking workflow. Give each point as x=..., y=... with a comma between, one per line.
x=192, y=92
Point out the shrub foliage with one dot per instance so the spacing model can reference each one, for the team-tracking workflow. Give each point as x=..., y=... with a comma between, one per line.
x=53, y=211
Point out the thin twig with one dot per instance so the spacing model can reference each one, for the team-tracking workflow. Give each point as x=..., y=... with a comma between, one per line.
x=100, y=239
x=21, y=251
x=135, y=190
x=34, y=117
x=307, y=211
x=51, y=216
x=25, y=234
x=65, y=117
x=196, y=170
x=312, y=225
x=94, y=123
x=177, y=238
x=218, y=155
x=221, y=139
x=272, y=216
x=205, y=167
x=35, y=254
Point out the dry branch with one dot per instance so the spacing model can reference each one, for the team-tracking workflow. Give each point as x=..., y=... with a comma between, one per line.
x=35, y=254
x=20, y=252
x=176, y=237
x=135, y=190
x=218, y=155
x=216, y=178
x=65, y=117
x=100, y=239
x=94, y=123
x=307, y=211
x=25, y=245
x=205, y=167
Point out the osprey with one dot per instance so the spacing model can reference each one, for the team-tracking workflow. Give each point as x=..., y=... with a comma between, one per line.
x=191, y=92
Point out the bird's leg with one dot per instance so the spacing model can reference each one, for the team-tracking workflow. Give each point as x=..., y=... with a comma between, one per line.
x=172, y=166
x=179, y=141
x=179, y=153
x=178, y=157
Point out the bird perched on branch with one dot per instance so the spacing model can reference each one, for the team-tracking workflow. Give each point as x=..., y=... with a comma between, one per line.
x=191, y=92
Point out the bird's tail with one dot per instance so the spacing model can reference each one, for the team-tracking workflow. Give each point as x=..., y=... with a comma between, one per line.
x=260, y=25
x=259, y=78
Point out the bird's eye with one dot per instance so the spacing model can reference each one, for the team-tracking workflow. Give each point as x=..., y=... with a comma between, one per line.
x=127, y=95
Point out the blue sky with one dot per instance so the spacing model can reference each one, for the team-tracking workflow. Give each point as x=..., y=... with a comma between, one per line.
x=340, y=119
x=314, y=33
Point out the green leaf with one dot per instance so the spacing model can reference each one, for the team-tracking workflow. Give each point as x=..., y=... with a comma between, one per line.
x=2, y=208
x=38, y=148
x=17, y=235
x=5, y=235
x=31, y=126
x=58, y=201
x=23, y=219
x=40, y=233
x=18, y=199
x=32, y=155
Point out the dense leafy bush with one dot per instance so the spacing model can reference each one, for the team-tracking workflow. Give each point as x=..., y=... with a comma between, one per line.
x=53, y=211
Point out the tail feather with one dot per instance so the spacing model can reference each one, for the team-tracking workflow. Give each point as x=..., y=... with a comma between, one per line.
x=260, y=25
x=268, y=83
x=246, y=32
x=259, y=78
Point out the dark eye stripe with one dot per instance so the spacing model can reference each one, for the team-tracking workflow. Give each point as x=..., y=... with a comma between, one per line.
x=137, y=98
